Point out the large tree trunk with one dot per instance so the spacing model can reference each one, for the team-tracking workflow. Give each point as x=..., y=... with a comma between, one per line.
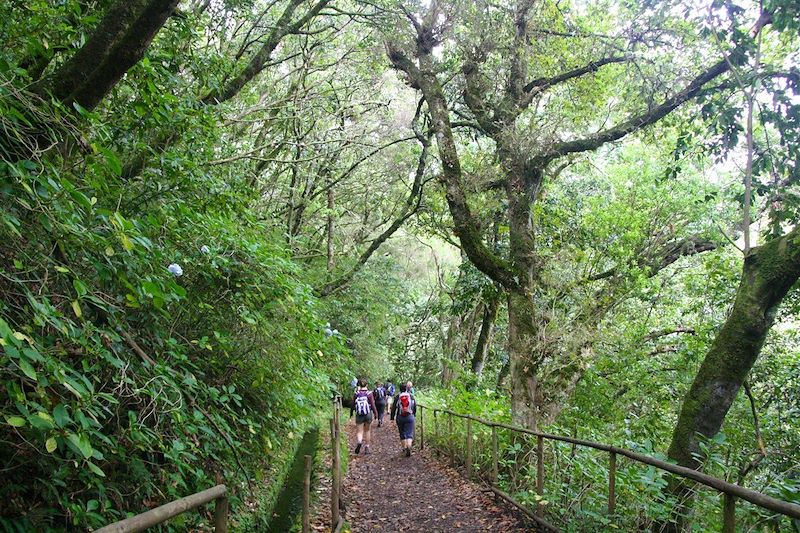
x=116, y=45
x=769, y=272
x=486, y=335
x=524, y=320
x=523, y=366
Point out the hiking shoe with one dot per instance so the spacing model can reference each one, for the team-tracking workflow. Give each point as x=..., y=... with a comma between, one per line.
x=358, y=448
x=366, y=450
x=408, y=452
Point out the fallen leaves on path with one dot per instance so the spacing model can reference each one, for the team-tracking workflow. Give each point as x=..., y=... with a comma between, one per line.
x=386, y=491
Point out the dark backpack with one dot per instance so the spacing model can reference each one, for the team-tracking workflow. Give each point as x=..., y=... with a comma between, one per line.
x=405, y=404
x=391, y=389
x=362, y=402
x=380, y=393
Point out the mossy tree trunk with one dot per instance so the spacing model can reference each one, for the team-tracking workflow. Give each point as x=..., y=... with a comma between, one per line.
x=769, y=272
x=524, y=360
x=116, y=45
x=486, y=335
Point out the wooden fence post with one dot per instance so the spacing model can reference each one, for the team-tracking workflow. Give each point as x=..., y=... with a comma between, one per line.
x=307, y=496
x=728, y=513
x=540, y=473
x=495, y=473
x=221, y=515
x=612, y=484
x=421, y=430
x=436, y=433
x=334, y=473
x=469, y=448
x=452, y=446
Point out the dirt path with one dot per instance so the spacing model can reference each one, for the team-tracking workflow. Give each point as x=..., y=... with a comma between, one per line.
x=386, y=491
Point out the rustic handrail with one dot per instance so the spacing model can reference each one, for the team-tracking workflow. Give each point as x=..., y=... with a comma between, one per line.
x=161, y=514
x=760, y=499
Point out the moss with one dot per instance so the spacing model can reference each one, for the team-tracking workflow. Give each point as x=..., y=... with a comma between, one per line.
x=255, y=519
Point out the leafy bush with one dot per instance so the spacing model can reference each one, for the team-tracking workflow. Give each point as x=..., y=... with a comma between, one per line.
x=126, y=385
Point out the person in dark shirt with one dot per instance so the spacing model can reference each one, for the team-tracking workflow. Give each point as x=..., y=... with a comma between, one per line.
x=365, y=409
x=404, y=410
x=379, y=393
x=389, y=392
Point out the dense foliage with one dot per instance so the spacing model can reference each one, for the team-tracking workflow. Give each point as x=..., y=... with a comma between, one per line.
x=214, y=213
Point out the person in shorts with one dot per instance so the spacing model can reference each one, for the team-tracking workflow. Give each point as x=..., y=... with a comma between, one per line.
x=404, y=409
x=365, y=410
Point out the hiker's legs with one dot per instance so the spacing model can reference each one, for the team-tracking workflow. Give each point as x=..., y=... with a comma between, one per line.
x=367, y=432
x=405, y=426
x=359, y=433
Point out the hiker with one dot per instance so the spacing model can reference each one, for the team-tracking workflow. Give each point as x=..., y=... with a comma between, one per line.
x=389, y=393
x=410, y=388
x=380, y=401
x=404, y=408
x=364, y=407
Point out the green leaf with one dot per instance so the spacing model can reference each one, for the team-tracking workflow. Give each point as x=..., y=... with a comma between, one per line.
x=15, y=421
x=27, y=369
x=80, y=287
x=113, y=161
x=96, y=469
x=41, y=421
x=151, y=288
x=32, y=354
x=80, y=109
x=61, y=415
x=76, y=308
x=51, y=445
x=82, y=444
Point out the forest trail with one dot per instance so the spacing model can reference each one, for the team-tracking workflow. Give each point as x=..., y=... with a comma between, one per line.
x=386, y=491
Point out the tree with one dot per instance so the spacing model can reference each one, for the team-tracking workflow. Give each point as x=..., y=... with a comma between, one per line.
x=505, y=113
x=769, y=271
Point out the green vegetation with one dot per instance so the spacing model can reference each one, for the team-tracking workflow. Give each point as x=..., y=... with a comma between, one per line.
x=576, y=216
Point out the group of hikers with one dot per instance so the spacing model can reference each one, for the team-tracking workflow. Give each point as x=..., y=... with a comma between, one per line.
x=371, y=405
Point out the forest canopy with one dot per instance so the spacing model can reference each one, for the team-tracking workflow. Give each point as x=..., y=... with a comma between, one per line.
x=578, y=216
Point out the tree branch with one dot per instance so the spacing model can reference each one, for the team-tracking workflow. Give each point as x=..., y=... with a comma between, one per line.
x=541, y=84
x=652, y=116
x=668, y=254
x=412, y=205
x=468, y=232
x=260, y=59
x=664, y=332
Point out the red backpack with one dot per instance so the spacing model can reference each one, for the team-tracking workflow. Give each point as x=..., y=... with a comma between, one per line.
x=405, y=404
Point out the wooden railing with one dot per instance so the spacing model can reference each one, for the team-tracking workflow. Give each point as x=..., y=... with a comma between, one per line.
x=337, y=520
x=153, y=517
x=730, y=491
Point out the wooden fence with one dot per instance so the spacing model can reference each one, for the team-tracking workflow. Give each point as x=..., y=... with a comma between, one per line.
x=337, y=520
x=730, y=491
x=219, y=493
x=153, y=517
